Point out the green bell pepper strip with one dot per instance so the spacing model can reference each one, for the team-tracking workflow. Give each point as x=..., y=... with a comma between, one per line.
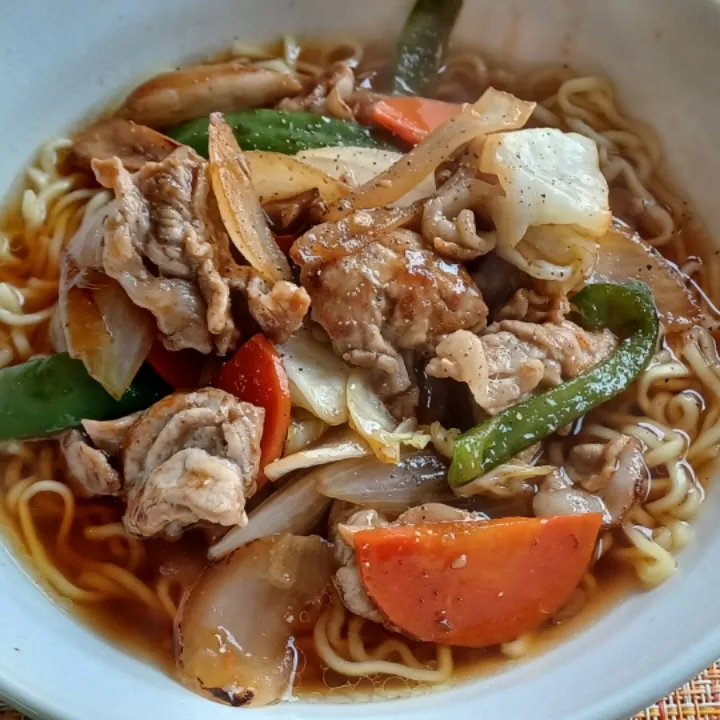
x=55, y=393
x=629, y=311
x=279, y=131
x=423, y=43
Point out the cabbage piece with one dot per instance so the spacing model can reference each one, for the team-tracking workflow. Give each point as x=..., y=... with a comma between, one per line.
x=318, y=379
x=340, y=444
x=370, y=417
x=556, y=254
x=360, y=165
x=304, y=430
x=549, y=178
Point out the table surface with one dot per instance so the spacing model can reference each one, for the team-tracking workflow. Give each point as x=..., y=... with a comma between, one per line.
x=698, y=699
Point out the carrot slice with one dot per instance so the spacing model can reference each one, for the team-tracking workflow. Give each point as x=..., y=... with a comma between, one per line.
x=412, y=118
x=255, y=374
x=180, y=369
x=475, y=584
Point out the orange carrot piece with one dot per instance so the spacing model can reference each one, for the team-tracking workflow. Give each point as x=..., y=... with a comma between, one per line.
x=475, y=584
x=413, y=118
x=255, y=374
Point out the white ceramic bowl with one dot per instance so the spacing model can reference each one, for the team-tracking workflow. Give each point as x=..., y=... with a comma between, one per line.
x=61, y=59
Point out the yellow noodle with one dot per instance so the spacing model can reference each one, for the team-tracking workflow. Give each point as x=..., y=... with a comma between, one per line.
x=332, y=659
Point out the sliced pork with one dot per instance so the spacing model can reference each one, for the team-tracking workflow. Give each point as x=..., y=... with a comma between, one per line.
x=193, y=457
x=89, y=470
x=514, y=358
x=166, y=246
x=377, y=294
x=115, y=137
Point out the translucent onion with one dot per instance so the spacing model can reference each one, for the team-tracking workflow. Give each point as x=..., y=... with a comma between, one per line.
x=370, y=417
x=342, y=444
x=318, y=378
x=102, y=327
x=239, y=206
x=295, y=508
x=493, y=112
x=234, y=631
x=360, y=165
x=418, y=478
x=276, y=176
x=624, y=256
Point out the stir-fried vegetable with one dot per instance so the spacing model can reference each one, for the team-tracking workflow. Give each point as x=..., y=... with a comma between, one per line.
x=412, y=118
x=422, y=46
x=417, y=478
x=493, y=112
x=360, y=165
x=339, y=444
x=255, y=374
x=304, y=430
x=234, y=632
x=181, y=369
x=318, y=378
x=239, y=206
x=55, y=393
x=627, y=310
x=279, y=131
x=295, y=508
x=276, y=176
x=370, y=417
x=101, y=325
x=625, y=256
x=475, y=584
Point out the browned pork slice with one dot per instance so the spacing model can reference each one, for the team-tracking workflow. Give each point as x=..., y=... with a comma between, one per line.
x=192, y=457
x=608, y=478
x=194, y=92
x=115, y=137
x=378, y=293
x=531, y=306
x=449, y=221
x=514, y=358
x=278, y=308
x=328, y=96
x=90, y=473
x=166, y=246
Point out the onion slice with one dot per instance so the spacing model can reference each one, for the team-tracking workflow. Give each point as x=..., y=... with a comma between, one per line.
x=277, y=177
x=239, y=206
x=234, y=629
x=295, y=508
x=493, y=112
x=102, y=327
x=341, y=444
x=625, y=256
x=419, y=478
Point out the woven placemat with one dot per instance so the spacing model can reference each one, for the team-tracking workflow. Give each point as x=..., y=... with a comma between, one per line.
x=698, y=699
